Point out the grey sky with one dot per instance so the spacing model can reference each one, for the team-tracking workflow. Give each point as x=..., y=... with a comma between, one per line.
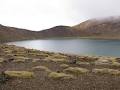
x=42, y=14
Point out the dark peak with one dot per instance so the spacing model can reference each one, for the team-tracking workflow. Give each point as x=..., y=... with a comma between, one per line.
x=61, y=26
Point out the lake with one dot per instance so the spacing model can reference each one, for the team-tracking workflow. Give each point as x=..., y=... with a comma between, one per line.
x=74, y=46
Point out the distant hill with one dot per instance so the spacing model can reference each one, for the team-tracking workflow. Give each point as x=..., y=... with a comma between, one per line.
x=104, y=28
x=61, y=31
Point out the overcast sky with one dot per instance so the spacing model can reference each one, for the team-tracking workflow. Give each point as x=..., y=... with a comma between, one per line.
x=42, y=14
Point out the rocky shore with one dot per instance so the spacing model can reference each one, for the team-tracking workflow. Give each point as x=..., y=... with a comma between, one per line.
x=29, y=69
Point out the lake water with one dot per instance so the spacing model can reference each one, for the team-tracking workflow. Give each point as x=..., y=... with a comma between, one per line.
x=74, y=46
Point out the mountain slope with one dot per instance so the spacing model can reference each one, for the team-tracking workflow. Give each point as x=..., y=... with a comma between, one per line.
x=61, y=31
x=102, y=28
x=13, y=34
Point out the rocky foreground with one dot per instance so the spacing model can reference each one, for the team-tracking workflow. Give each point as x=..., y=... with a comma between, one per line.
x=29, y=69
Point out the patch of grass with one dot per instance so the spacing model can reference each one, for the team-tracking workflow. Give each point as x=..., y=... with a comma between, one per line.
x=76, y=70
x=39, y=54
x=87, y=58
x=41, y=68
x=82, y=63
x=20, y=59
x=115, y=64
x=64, y=66
x=57, y=58
x=2, y=60
x=55, y=75
x=103, y=62
x=19, y=74
x=35, y=60
x=106, y=71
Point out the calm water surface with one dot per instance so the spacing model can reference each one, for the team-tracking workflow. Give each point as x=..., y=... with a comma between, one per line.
x=74, y=46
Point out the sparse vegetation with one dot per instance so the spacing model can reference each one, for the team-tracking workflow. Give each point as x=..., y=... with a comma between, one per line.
x=47, y=70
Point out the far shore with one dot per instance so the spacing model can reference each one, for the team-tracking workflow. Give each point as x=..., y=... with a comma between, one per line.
x=78, y=37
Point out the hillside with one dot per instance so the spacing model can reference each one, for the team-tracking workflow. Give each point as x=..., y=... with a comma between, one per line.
x=13, y=34
x=105, y=28
x=61, y=31
x=101, y=28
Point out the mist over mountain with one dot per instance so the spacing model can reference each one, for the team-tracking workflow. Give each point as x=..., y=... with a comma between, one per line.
x=103, y=28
